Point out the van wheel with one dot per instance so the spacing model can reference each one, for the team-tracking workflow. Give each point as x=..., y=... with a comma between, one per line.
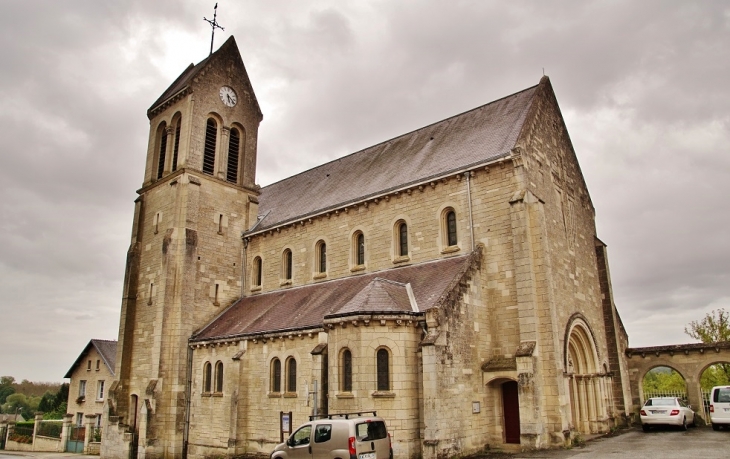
x=715, y=426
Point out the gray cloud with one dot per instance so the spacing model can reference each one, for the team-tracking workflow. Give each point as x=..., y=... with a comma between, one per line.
x=641, y=85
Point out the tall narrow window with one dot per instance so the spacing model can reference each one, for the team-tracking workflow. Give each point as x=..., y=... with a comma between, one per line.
x=287, y=264
x=257, y=271
x=360, y=249
x=100, y=390
x=346, y=375
x=219, y=377
x=403, y=240
x=291, y=375
x=98, y=363
x=321, y=261
x=233, y=148
x=206, y=377
x=162, y=151
x=82, y=388
x=451, y=227
x=276, y=375
x=211, y=134
x=176, y=145
x=383, y=370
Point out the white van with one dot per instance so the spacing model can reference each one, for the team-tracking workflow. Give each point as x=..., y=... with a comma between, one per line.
x=338, y=436
x=720, y=407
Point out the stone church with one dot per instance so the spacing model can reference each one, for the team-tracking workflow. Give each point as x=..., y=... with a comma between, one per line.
x=450, y=279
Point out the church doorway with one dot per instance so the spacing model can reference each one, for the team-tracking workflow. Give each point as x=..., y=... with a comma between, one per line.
x=589, y=383
x=511, y=408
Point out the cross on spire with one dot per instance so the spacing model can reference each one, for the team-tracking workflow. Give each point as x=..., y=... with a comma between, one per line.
x=213, y=26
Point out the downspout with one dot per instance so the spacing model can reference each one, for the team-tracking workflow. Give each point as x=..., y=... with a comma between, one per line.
x=188, y=390
x=467, y=174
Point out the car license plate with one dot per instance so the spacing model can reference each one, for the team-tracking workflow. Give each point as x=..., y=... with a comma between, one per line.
x=726, y=409
x=368, y=455
x=659, y=411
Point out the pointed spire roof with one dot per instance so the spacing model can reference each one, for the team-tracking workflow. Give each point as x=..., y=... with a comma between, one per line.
x=183, y=83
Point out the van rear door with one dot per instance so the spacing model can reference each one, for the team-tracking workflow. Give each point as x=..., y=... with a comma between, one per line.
x=371, y=440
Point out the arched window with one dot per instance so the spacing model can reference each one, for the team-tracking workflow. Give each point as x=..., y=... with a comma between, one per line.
x=321, y=261
x=211, y=136
x=383, y=365
x=219, y=376
x=346, y=371
x=287, y=264
x=291, y=375
x=206, y=377
x=257, y=271
x=162, y=136
x=358, y=249
x=450, y=221
x=402, y=239
x=234, y=144
x=176, y=144
x=276, y=375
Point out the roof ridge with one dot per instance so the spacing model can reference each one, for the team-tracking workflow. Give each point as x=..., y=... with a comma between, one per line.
x=422, y=128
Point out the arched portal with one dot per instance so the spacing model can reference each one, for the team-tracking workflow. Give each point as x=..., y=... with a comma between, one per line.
x=589, y=383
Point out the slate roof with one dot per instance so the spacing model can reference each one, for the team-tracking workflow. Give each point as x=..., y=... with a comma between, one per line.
x=478, y=136
x=107, y=349
x=306, y=307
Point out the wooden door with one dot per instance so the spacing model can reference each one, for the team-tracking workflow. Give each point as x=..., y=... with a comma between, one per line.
x=511, y=408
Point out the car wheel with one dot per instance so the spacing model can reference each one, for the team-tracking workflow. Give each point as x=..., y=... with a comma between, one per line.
x=645, y=427
x=684, y=424
x=715, y=426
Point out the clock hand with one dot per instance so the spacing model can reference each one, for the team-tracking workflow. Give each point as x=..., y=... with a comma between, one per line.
x=229, y=98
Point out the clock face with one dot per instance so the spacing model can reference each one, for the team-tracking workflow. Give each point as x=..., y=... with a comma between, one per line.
x=228, y=96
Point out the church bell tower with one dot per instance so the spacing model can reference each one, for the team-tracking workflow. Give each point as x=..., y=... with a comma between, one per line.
x=184, y=264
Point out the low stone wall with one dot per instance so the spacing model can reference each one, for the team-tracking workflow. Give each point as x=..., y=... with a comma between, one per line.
x=15, y=446
x=47, y=444
x=94, y=448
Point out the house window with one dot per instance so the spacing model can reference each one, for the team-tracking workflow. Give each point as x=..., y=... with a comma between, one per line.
x=98, y=363
x=276, y=375
x=82, y=388
x=321, y=261
x=211, y=134
x=359, y=248
x=287, y=264
x=176, y=144
x=291, y=375
x=88, y=366
x=346, y=371
x=383, y=367
x=219, y=377
x=162, y=135
x=79, y=419
x=206, y=377
x=402, y=239
x=450, y=227
x=100, y=390
x=234, y=143
x=257, y=271
x=98, y=421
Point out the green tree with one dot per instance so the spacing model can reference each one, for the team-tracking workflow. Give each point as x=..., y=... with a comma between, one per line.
x=663, y=380
x=714, y=328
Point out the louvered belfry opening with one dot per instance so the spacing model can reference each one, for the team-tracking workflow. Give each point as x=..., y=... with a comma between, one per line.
x=233, y=148
x=176, y=146
x=163, y=150
x=211, y=134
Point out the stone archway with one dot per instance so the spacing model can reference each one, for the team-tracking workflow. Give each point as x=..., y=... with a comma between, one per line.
x=588, y=384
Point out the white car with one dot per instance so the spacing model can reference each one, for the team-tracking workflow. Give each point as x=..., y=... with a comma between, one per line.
x=668, y=411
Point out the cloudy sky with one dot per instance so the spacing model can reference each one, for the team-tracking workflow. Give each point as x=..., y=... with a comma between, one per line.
x=643, y=87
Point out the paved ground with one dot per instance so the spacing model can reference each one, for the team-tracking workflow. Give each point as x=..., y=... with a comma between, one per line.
x=700, y=442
